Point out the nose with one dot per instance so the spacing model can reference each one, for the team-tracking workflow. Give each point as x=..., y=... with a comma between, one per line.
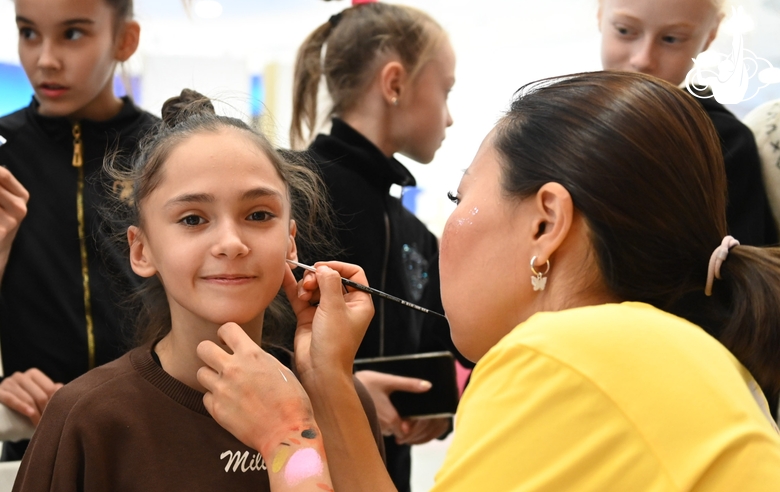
x=644, y=58
x=229, y=242
x=449, y=118
x=48, y=56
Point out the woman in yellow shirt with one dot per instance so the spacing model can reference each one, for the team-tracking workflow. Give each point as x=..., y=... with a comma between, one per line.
x=589, y=232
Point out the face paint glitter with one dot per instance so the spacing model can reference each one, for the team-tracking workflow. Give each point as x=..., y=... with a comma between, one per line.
x=305, y=463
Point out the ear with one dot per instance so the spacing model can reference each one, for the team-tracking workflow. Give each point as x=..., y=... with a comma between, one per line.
x=140, y=259
x=292, y=249
x=127, y=41
x=555, y=215
x=392, y=79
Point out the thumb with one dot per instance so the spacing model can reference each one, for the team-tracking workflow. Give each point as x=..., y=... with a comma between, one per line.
x=410, y=385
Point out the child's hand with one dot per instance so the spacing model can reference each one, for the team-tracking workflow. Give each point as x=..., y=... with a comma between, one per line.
x=329, y=333
x=13, y=208
x=28, y=393
x=249, y=392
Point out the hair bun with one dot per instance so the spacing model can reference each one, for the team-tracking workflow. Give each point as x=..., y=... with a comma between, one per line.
x=188, y=103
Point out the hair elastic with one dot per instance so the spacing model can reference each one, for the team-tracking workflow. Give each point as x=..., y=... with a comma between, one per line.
x=716, y=260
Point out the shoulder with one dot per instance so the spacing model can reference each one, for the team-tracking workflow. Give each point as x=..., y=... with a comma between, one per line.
x=728, y=126
x=90, y=392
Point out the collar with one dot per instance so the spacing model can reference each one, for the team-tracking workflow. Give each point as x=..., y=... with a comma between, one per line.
x=351, y=149
x=61, y=127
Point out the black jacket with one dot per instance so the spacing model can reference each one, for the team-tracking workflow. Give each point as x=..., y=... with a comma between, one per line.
x=42, y=297
x=397, y=252
x=748, y=215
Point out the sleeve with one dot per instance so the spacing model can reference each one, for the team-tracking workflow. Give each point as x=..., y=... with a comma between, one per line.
x=14, y=426
x=54, y=459
x=530, y=423
x=747, y=213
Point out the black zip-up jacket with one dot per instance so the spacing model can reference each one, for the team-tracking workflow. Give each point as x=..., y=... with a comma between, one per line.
x=43, y=307
x=398, y=253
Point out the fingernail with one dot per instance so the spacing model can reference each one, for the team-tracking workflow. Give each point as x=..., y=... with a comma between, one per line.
x=426, y=385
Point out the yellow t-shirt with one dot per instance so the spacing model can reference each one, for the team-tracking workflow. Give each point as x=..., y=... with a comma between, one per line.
x=617, y=397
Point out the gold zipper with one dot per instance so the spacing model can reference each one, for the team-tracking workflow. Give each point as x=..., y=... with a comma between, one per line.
x=78, y=163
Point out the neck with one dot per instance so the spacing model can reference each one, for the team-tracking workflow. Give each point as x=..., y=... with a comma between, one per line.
x=178, y=349
x=372, y=120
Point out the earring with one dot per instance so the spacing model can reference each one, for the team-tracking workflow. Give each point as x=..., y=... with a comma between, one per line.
x=394, y=100
x=539, y=281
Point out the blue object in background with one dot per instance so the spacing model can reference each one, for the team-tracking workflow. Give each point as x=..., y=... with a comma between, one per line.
x=409, y=197
x=120, y=88
x=15, y=90
x=257, y=96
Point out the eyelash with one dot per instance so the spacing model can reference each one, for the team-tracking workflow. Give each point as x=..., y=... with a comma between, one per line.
x=454, y=198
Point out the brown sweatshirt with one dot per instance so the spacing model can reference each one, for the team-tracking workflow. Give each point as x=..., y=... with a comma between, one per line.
x=130, y=426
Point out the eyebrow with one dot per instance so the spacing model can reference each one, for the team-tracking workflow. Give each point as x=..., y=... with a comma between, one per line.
x=629, y=17
x=252, y=194
x=69, y=22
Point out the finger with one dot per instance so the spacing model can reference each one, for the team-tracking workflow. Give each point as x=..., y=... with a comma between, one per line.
x=235, y=338
x=329, y=281
x=43, y=381
x=346, y=270
x=402, y=383
x=212, y=355
x=208, y=378
x=16, y=404
x=39, y=396
x=291, y=288
x=9, y=182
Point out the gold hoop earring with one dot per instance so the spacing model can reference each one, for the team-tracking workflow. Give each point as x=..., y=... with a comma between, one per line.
x=538, y=280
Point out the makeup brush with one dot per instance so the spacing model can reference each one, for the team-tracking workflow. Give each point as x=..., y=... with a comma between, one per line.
x=371, y=291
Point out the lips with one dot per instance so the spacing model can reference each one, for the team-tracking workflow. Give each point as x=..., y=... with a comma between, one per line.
x=229, y=278
x=52, y=90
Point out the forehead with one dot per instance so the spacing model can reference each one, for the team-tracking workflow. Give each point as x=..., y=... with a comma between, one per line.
x=225, y=162
x=60, y=11
x=663, y=12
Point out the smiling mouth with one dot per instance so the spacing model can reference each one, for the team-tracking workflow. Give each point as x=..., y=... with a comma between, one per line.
x=229, y=278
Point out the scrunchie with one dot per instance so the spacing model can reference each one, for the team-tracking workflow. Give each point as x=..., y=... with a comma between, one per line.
x=716, y=260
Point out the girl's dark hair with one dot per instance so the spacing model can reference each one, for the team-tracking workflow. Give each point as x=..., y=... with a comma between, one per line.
x=356, y=39
x=643, y=164
x=123, y=8
x=183, y=117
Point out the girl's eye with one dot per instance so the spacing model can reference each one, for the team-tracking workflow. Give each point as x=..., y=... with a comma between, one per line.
x=27, y=33
x=454, y=198
x=670, y=39
x=260, y=216
x=192, y=220
x=73, y=34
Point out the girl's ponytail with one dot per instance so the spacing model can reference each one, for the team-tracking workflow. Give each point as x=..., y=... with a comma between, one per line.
x=306, y=80
x=750, y=293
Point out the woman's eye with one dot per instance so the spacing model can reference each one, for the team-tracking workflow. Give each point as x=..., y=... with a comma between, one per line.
x=454, y=198
x=670, y=39
x=73, y=34
x=260, y=216
x=192, y=220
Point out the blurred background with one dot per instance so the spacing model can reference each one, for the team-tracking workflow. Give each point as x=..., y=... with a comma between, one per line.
x=241, y=52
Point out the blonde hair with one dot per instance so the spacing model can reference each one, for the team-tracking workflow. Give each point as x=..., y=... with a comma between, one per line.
x=356, y=39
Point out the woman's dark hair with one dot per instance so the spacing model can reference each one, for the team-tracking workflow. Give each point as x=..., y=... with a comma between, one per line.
x=356, y=38
x=643, y=164
x=183, y=117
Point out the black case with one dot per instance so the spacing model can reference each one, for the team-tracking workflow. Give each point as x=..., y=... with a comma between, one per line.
x=437, y=367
